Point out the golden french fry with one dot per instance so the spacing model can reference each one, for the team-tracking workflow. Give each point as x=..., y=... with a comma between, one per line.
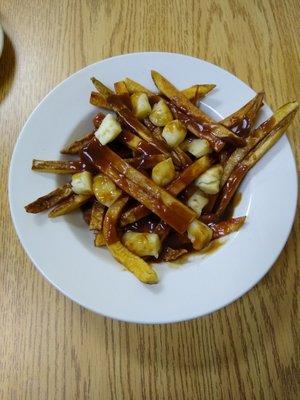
x=282, y=117
x=242, y=120
x=49, y=200
x=97, y=216
x=75, y=147
x=120, y=87
x=133, y=87
x=196, y=92
x=99, y=240
x=98, y=100
x=69, y=204
x=134, y=214
x=226, y=227
x=57, y=167
x=183, y=103
x=143, y=271
x=101, y=88
x=275, y=128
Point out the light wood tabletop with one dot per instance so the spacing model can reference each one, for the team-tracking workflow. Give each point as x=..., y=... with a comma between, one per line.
x=50, y=347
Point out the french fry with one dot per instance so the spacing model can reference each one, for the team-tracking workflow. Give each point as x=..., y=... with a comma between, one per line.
x=101, y=88
x=99, y=240
x=226, y=227
x=120, y=87
x=68, y=205
x=143, y=271
x=190, y=174
x=143, y=189
x=276, y=126
x=75, y=147
x=49, y=200
x=193, y=93
x=282, y=117
x=196, y=92
x=97, y=216
x=57, y=167
x=241, y=121
x=98, y=100
x=133, y=87
x=194, y=112
x=134, y=214
x=177, y=186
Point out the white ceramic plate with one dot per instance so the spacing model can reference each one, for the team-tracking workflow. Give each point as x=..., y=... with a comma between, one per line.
x=62, y=249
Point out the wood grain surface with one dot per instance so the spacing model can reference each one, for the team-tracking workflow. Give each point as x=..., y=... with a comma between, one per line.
x=51, y=348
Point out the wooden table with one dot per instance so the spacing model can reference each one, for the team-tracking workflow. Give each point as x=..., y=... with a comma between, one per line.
x=51, y=348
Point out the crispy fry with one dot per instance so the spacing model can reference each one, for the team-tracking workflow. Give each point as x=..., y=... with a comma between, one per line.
x=282, y=117
x=275, y=132
x=195, y=113
x=241, y=121
x=98, y=100
x=49, y=200
x=99, y=240
x=133, y=87
x=226, y=227
x=193, y=93
x=175, y=187
x=120, y=87
x=197, y=92
x=101, y=88
x=143, y=271
x=212, y=198
x=68, y=205
x=139, y=186
x=97, y=216
x=75, y=147
x=57, y=167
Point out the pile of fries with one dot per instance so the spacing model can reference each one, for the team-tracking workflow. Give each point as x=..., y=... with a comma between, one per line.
x=156, y=176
